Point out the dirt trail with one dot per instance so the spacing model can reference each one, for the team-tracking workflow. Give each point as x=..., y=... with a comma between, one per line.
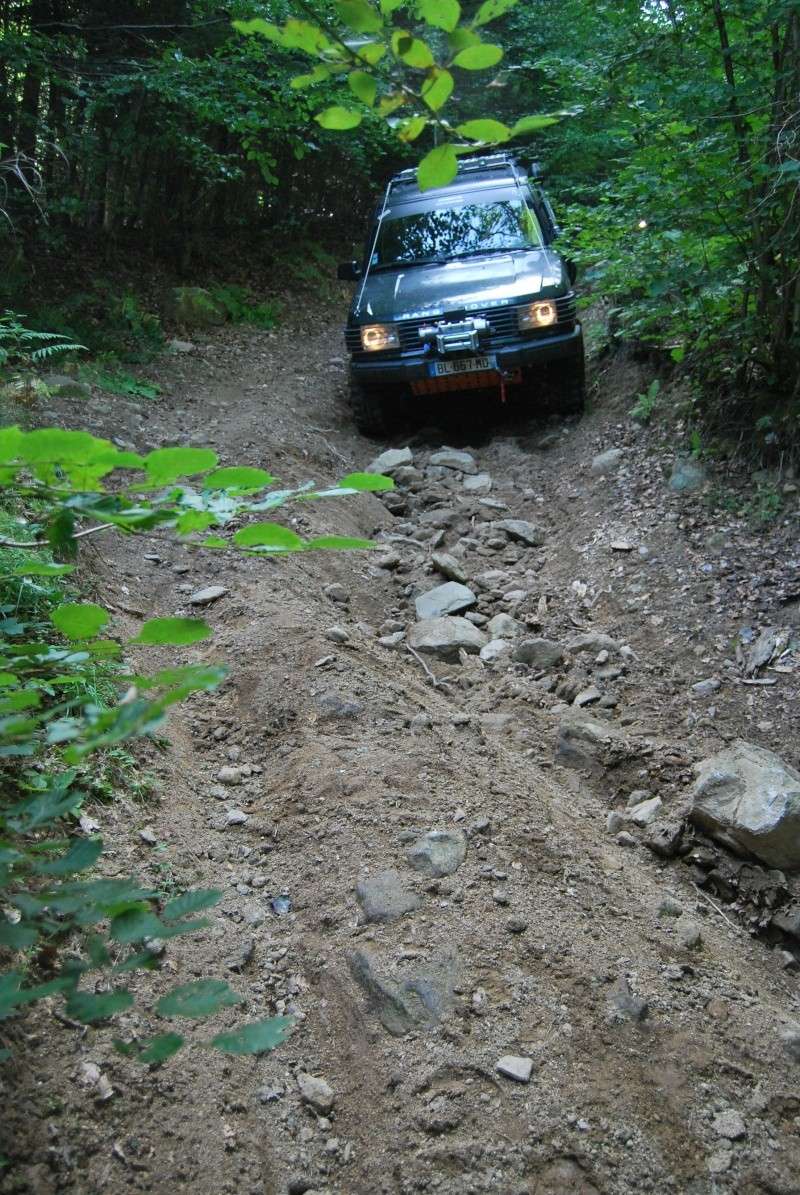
x=551, y=937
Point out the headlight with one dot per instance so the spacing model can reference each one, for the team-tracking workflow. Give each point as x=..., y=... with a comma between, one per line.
x=537, y=315
x=379, y=336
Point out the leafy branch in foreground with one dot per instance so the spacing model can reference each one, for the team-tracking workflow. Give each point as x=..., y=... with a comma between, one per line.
x=399, y=76
x=66, y=934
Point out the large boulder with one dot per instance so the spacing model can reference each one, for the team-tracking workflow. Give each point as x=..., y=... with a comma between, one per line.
x=449, y=598
x=749, y=799
x=445, y=637
x=391, y=459
x=195, y=307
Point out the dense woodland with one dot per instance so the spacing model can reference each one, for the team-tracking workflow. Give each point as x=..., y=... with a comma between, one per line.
x=158, y=129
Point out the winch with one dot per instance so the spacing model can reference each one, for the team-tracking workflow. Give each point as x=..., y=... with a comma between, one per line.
x=461, y=336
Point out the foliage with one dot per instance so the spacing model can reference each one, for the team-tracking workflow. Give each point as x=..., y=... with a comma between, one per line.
x=645, y=405
x=243, y=308
x=76, y=935
x=120, y=381
x=23, y=346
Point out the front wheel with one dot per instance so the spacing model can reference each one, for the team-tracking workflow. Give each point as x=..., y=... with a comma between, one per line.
x=570, y=387
x=372, y=412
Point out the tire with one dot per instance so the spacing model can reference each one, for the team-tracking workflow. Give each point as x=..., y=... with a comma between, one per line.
x=571, y=387
x=372, y=413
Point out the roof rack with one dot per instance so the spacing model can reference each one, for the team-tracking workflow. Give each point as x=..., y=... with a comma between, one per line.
x=503, y=162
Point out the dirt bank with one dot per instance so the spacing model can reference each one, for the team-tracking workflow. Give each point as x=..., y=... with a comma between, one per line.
x=658, y=1064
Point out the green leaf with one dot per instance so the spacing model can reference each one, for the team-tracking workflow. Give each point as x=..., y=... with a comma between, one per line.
x=172, y=632
x=198, y=999
x=191, y=902
x=10, y=442
x=363, y=86
x=390, y=6
x=437, y=168
x=371, y=53
x=261, y=27
x=79, y=620
x=437, y=88
x=531, y=124
x=677, y=354
x=490, y=10
x=214, y=541
x=359, y=16
x=87, y=1007
x=134, y=925
x=478, y=58
x=268, y=537
x=485, y=130
x=82, y=855
x=255, y=1038
x=17, y=937
x=443, y=14
x=337, y=117
x=194, y=520
x=411, y=50
x=411, y=129
x=319, y=73
x=366, y=482
x=168, y=464
x=461, y=38
x=340, y=543
x=239, y=478
x=160, y=1048
x=36, y=568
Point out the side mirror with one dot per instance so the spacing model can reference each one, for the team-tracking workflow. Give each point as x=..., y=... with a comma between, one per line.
x=348, y=271
x=572, y=271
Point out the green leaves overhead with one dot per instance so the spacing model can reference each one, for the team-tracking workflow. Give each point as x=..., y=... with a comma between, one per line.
x=240, y=479
x=89, y=1008
x=442, y=14
x=485, y=130
x=437, y=88
x=363, y=86
x=478, y=58
x=532, y=124
x=338, y=118
x=411, y=50
x=255, y=1038
x=268, y=537
x=79, y=621
x=198, y=999
x=490, y=10
x=365, y=482
x=358, y=15
x=165, y=465
x=437, y=168
x=172, y=632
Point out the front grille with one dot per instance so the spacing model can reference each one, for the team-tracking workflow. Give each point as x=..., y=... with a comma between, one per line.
x=502, y=321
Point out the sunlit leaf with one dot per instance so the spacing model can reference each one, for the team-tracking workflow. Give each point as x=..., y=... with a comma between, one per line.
x=319, y=73
x=484, y=130
x=270, y=537
x=79, y=620
x=363, y=86
x=443, y=14
x=340, y=542
x=478, y=58
x=437, y=168
x=168, y=464
x=366, y=482
x=411, y=50
x=358, y=15
x=371, y=53
x=36, y=568
x=255, y=1038
x=240, y=478
x=411, y=129
x=172, y=632
x=490, y=10
x=337, y=117
x=437, y=88
x=531, y=124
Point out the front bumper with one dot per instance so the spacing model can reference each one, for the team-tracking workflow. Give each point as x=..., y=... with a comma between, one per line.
x=517, y=354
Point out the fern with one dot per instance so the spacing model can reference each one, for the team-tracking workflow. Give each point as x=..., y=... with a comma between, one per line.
x=28, y=346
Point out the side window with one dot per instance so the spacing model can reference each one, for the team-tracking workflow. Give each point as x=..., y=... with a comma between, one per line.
x=545, y=215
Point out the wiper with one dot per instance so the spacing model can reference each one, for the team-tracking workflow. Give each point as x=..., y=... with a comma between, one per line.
x=438, y=260
x=480, y=252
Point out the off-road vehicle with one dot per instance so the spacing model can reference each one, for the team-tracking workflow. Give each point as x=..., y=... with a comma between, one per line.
x=462, y=289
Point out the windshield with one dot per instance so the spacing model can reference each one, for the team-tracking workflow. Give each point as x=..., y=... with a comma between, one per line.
x=464, y=231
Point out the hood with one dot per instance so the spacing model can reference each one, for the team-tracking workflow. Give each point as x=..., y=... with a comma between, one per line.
x=471, y=284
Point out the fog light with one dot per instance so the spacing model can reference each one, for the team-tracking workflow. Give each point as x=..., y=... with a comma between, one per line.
x=537, y=315
x=375, y=337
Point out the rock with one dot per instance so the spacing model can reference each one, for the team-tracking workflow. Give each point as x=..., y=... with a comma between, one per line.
x=730, y=1125
x=236, y=817
x=419, y=998
x=451, y=458
x=607, y=462
x=790, y=1039
x=503, y=626
x=317, y=1093
x=587, y=742
x=478, y=483
x=449, y=567
x=331, y=706
x=511, y=1066
x=625, y=839
x=522, y=531
x=665, y=839
x=239, y=960
x=592, y=641
x=445, y=637
x=194, y=307
x=749, y=799
x=62, y=385
x=516, y=925
x=393, y=640
x=645, y=812
x=670, y=907
x=624, y=1006
x=438, y=853
x=495, y=649
x=204, y=597
x=688, y=475
x=704, y=688
x=563, y=1177
x=229, y=775
x=337, y=635
x=148, y=836
x=539, y=653
x=181, y=346
x=384, y=897
x=719, y=1162
x=337, y=593
x=449, y=598
x=587, y=696
x=390, y=460
x=688, y=933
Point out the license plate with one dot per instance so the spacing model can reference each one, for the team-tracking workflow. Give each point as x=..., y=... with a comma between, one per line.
x=440, y=369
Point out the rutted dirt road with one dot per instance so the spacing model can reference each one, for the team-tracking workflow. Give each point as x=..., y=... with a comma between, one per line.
x=652, y=1017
